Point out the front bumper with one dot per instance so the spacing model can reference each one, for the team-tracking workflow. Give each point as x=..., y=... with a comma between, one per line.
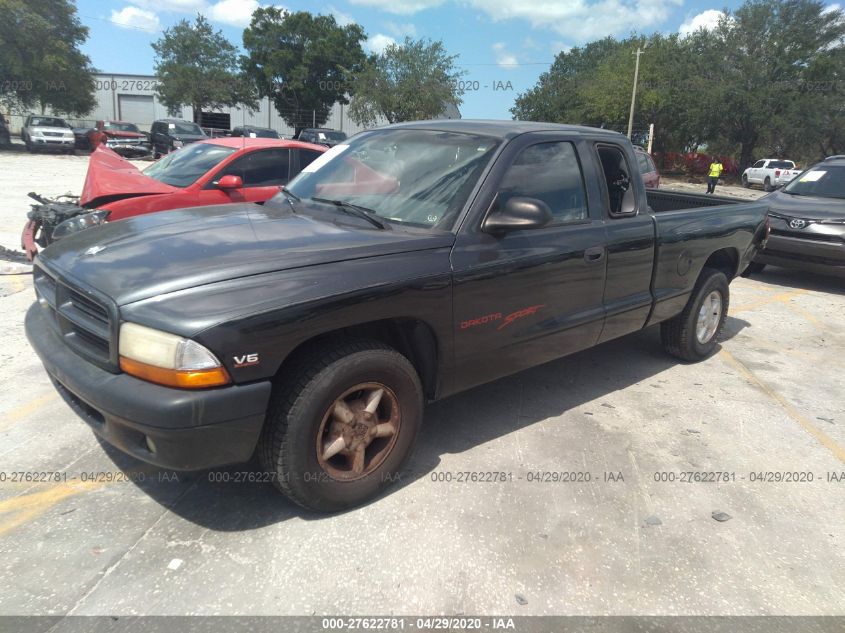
x=190, y=430
x=807, y=253
x=53, y=141
x=129, y=149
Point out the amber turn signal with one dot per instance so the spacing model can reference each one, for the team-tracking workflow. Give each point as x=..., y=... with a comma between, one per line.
x=183, y=379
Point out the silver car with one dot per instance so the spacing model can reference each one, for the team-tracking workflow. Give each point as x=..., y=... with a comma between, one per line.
x=47, y=132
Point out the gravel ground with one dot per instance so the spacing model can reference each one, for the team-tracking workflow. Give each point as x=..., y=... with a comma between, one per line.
x=629, y=536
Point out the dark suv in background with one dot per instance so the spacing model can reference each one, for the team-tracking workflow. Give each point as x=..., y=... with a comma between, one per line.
x=322, y=136
x=169, y=134
x=808, y=221
x=250, y=131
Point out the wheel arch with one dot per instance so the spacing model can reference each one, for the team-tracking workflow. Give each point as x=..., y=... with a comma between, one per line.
x=413, y=338
x=725, y=260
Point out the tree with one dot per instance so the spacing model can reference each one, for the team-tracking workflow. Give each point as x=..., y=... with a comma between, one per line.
x=558, y=96
x=198, y=67
x=301, y=61
x=40, y=61
x=407, y=82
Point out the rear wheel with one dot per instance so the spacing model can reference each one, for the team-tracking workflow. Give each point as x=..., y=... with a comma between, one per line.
x=340, y=429
x=767, y=184
x=693, y=334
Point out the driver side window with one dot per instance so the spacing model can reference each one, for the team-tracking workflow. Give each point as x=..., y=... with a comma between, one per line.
x=549, y=172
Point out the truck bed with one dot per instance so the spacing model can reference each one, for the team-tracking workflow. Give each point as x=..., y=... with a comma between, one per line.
x=660, y=200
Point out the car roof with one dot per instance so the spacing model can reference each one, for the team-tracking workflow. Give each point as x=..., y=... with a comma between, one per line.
x=173, y=121
x=502, y=129
x=252, y=127
x=239, y=142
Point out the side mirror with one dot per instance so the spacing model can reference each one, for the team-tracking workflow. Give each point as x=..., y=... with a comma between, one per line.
x=230, y=182
x=518, y=214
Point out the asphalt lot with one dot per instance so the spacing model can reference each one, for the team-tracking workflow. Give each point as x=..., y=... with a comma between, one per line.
x=113, y=536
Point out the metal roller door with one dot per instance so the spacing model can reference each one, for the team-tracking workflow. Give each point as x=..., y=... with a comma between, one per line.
x=137, y=109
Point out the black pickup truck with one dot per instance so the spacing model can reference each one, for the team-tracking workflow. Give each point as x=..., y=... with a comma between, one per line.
x=405, y=265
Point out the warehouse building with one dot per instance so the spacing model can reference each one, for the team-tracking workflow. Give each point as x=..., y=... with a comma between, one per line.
x=132, y=98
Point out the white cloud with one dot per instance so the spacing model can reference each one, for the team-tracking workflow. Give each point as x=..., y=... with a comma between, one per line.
x=135, y=18
x=560, y=47
x=400, y=7
x=343, y=19
x=580, y=20
x=832, y=7
x=378, y=42
x=233, y=12
x=401, y=29
x=503, y=57
x=179, y=6
x=707, y=20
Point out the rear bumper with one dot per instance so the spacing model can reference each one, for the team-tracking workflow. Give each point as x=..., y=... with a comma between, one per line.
x=187, y=430
x=808, y=254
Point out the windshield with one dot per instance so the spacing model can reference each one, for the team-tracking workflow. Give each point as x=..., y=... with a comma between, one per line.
x=185, y=128
x=824, y=181
x=261, y=133
x=114, y=126
x=781, y=164
x=47, y=121
x=415, y=177
x=185, y=166
x=331, y=136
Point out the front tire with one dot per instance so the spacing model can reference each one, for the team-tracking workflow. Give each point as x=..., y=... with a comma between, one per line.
x=341, y=427
x=745, y=182
x=693, y=334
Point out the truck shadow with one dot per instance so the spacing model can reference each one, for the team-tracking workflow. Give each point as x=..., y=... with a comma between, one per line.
x=236, y=499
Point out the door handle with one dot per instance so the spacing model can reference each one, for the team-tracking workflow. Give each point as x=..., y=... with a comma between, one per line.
x=594, y=254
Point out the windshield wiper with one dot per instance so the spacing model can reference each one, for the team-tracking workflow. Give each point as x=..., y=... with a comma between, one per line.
x=353, y=209
x=290, y=198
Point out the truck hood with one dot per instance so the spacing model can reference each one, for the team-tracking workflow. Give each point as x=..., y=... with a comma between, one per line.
x=806, y=207
x=40, y=129
x=122, y=134
x=150, y=255
x=111, y=177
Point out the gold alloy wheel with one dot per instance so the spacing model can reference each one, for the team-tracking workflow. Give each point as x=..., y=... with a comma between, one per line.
x=358, y=431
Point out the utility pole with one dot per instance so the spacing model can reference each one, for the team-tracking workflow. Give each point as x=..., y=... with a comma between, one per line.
x=634, y=91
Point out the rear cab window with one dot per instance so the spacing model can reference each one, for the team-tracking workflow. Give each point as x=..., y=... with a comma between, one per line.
x=619, y=190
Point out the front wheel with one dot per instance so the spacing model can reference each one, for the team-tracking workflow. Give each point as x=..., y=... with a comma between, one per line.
x=340, y=429
x=693, y=334
x=745, y=182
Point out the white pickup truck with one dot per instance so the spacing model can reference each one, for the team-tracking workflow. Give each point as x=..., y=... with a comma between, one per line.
x=770, y=172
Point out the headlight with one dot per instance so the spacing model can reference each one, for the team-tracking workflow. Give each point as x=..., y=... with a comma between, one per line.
x=168, y=359
x=79, y=223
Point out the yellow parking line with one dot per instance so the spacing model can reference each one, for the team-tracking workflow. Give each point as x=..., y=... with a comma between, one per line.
x=26, y=409
x=823, y=438
x=27, y=507
x=782, y=297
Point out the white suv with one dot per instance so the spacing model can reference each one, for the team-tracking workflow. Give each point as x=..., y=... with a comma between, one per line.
x=770, y=172
x=47, y=132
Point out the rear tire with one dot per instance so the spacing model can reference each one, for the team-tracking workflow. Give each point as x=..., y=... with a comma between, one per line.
x=303, y=424
x=693, y=334
x=767, y=185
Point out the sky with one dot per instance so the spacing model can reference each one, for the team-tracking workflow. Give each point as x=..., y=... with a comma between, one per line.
x=503, y=45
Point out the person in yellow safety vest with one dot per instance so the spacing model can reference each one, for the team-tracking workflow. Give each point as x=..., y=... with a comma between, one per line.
x=714, y=174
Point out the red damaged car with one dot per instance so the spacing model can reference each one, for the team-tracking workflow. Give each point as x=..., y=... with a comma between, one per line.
x=209, y=172
x=120, y=137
